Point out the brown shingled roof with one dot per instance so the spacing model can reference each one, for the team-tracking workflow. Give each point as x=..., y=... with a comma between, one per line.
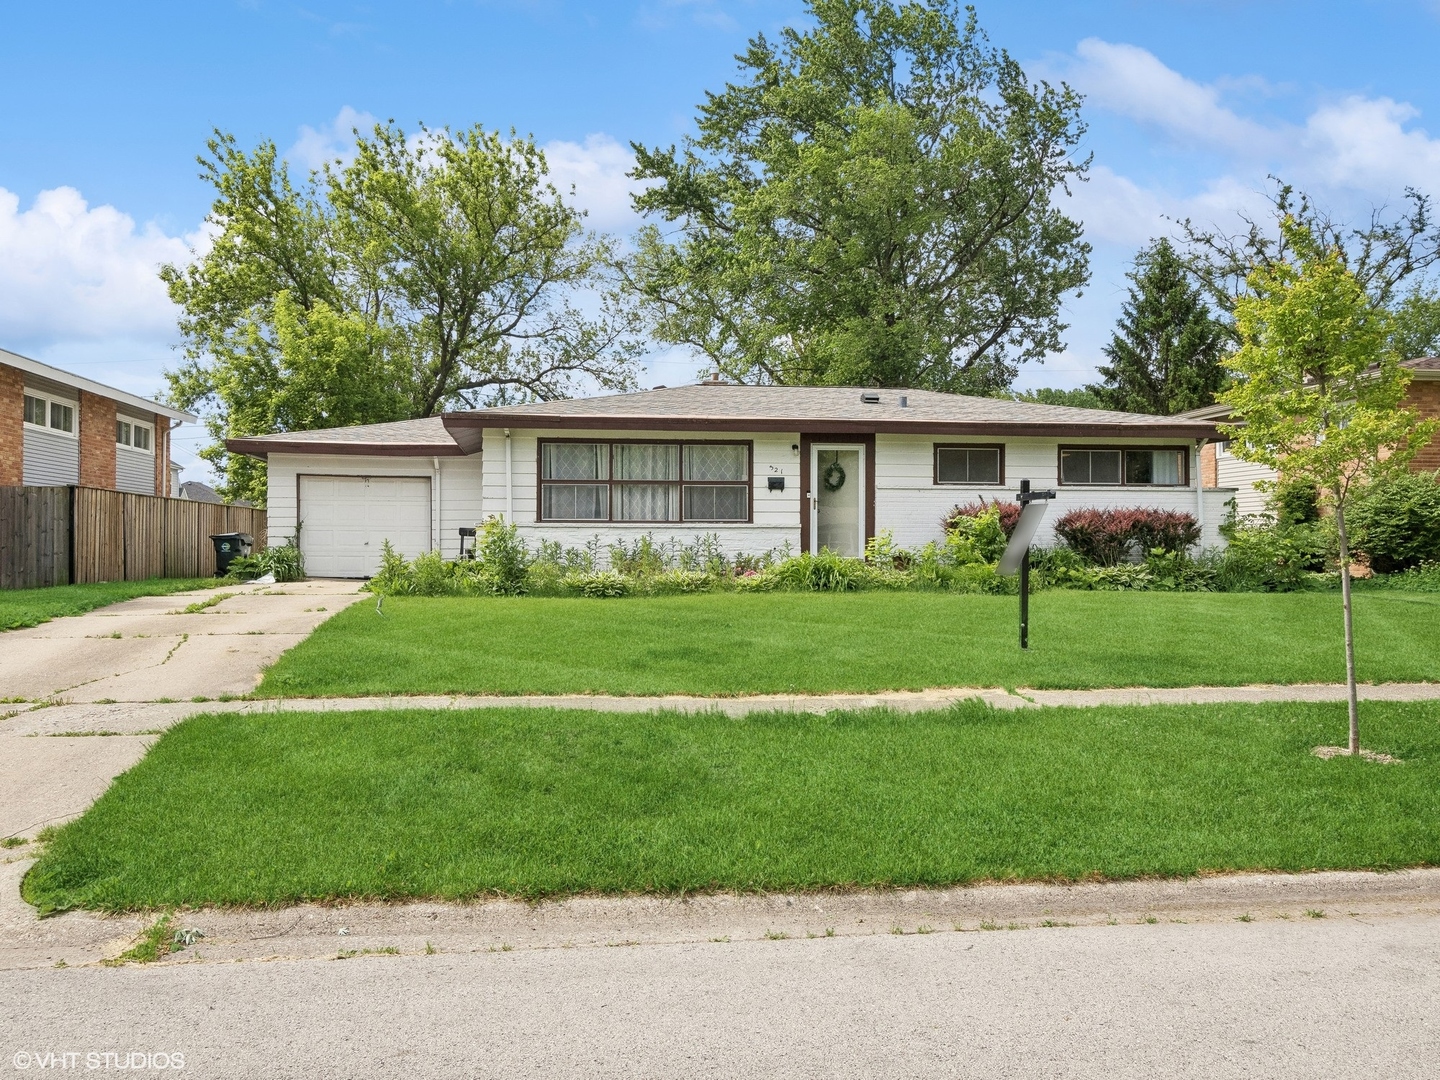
x=820, y=409
x=728, y=407
x=428, y=437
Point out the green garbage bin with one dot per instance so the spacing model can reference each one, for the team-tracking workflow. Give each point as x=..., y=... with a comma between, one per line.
x=230, y=546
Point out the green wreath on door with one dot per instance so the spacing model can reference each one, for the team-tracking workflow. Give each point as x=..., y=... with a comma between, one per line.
x=833, y=477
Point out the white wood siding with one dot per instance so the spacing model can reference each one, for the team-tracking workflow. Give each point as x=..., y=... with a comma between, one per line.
x=911, y=505
x=455, y=487
x=1231, y=472
x=776, y=514
x=52, y=458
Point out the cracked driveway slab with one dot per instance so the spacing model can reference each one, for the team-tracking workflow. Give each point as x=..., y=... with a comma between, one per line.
x=134, y=652
x=149, y=648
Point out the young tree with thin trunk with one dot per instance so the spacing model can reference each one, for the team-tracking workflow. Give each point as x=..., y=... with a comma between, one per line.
x=1318, y=390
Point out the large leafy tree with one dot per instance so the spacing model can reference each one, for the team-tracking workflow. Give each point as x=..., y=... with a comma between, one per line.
x=433, y=271
x=1165, y=355
x=871, y=204
x=1319, y=389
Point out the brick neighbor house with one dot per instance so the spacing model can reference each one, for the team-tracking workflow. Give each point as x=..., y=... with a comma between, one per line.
x=57, y=429
x=1221, y=469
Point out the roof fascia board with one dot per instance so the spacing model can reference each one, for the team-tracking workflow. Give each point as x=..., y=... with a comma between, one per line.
x=1190, y=430
x=262, y=447
x=79, y=382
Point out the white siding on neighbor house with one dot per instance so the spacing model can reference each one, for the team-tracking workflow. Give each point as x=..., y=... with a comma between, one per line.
x=134, y=470
x=455, y=488
x=776, y=514
x=911, y=505
x=1231, y=472
x=52, y=458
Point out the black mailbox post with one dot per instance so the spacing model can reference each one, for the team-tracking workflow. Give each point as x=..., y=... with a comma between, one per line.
x=230, y=546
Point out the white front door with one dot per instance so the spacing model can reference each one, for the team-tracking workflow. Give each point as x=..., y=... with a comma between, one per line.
x=837, y=508
x=344, y=521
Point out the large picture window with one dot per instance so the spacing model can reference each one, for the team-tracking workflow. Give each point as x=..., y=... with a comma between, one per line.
x=644, y=481
x=1155, y=467
x=969, y=465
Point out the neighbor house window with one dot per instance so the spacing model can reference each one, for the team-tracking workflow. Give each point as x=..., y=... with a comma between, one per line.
x=969, y=464
x=41, y=410
x=1166, y=467
x=134, y=434
x=644, y=481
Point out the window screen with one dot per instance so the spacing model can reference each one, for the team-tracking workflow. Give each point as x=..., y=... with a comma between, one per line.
x=967, y=465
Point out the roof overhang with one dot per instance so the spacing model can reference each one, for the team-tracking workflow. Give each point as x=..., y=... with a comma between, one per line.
x=79, y=382
x=263, y=447
x=1184, y=429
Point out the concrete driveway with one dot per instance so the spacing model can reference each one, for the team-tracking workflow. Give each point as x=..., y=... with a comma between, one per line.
x=142, y=650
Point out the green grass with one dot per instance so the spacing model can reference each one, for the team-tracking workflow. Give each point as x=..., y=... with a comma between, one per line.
x=31, y=607
x=268, y=809
x=810, y=643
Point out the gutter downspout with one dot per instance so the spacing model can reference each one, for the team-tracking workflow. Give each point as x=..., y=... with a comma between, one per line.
x=1200, y=493
x=509, y=483
x=435, y=527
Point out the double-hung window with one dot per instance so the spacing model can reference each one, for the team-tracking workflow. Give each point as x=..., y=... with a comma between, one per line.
x=43, y=411
x=1162, y=467
x=644, y=481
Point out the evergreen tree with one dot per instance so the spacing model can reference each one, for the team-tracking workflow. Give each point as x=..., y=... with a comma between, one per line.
x=1166, y=350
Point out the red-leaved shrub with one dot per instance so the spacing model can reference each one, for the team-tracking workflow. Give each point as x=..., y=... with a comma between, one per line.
x=1105, y=536
x=1009, y=514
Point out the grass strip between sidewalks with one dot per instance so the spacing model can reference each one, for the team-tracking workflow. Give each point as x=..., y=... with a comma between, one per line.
x=728, y=644
x=275, y=808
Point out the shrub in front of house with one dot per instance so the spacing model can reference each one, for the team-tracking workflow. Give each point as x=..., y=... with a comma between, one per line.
x=1264, y=556
x=1111, y=536
x=1396, y=523
x=1009, y=513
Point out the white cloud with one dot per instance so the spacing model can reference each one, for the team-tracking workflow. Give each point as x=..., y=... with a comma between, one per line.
x=1133, y=82
x=1363, y=143
x=335, y=140
x=70, y=271
x=597, y=169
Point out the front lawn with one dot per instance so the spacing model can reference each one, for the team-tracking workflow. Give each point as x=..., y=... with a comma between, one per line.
x=31, y=607
x=277, y=808
x=816, y=642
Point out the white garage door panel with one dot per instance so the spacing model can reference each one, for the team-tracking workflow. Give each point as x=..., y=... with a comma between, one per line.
x=344, y=520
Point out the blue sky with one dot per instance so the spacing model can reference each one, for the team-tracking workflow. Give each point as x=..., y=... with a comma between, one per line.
x=1189, y=104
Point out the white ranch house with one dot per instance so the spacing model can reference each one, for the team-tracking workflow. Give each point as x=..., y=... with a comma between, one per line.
x=758, y=466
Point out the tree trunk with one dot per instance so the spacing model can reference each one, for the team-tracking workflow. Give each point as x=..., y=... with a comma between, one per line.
x=1351, y=692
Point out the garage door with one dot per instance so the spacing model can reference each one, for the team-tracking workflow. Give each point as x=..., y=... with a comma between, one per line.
x=345, y=519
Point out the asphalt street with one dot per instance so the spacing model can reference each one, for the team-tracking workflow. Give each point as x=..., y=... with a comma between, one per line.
x=1306, y=998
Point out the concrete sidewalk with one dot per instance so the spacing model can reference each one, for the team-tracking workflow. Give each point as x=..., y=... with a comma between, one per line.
x=136, y=651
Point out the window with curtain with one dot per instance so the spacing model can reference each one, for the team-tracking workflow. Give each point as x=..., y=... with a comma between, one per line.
x=644, y=481
x=969, y=465
x=1137, y=468
x=46, y=412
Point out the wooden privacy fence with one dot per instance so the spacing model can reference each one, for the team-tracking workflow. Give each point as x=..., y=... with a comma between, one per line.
x=64, y=535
